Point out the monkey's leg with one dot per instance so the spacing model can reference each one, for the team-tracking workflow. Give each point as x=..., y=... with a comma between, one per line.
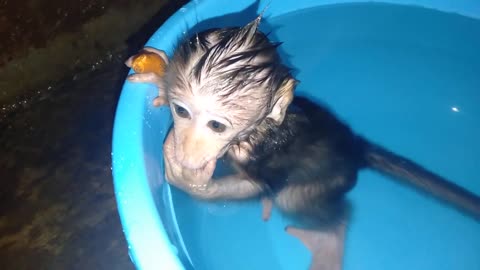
x=326, y=246
x=325, y=221
x=267, y=205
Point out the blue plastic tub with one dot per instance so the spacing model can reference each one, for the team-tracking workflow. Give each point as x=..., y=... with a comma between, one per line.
x=403, y=73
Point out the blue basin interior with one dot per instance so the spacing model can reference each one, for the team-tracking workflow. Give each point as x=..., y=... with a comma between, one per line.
x=404, y=76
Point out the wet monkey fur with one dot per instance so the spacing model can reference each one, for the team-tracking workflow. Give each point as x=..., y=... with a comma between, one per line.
x=231, y=96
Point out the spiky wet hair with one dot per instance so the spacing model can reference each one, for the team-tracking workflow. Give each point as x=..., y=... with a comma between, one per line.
x=231, y=63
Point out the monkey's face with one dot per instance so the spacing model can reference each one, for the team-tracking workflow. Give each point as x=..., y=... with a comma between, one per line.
x=205, y=126
x=220, y=84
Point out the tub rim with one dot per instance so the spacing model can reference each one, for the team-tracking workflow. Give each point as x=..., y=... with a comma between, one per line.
x=148, y=240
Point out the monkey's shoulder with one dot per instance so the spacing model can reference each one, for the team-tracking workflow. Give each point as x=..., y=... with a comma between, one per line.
x=308, y=131
x=302, y=150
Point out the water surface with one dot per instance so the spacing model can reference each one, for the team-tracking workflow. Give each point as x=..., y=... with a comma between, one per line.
x=404, y=77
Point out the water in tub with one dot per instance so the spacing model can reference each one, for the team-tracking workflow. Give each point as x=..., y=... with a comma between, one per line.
x=405, y=77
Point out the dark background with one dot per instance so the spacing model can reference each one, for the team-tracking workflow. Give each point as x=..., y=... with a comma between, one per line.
x=61, y=72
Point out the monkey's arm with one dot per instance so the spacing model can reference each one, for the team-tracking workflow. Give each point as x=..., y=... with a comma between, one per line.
x=229, y=187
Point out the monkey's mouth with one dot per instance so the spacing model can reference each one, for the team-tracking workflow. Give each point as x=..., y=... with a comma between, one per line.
x=178, y=157
x=196, y=168
x=191, y=166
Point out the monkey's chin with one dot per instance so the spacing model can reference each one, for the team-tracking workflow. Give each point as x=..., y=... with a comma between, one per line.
x=204, y=174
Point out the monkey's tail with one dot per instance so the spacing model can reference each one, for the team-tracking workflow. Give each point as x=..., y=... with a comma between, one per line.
x=406, y=170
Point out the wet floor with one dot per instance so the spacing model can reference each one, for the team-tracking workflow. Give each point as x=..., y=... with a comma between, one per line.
x=57, y=205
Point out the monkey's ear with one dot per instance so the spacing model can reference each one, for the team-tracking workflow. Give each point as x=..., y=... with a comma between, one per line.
x=283, y=97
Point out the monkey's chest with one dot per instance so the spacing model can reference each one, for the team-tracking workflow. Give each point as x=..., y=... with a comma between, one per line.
x=274, y=172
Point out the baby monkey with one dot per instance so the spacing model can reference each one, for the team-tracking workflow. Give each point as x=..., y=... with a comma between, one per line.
x=230, y=95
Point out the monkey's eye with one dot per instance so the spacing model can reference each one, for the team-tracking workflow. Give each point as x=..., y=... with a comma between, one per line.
x=180, y=111
x=216, y=126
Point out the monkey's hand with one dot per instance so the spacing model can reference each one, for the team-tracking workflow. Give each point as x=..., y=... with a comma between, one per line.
x=267, y=204
x=149, y=66
x=196, y=182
